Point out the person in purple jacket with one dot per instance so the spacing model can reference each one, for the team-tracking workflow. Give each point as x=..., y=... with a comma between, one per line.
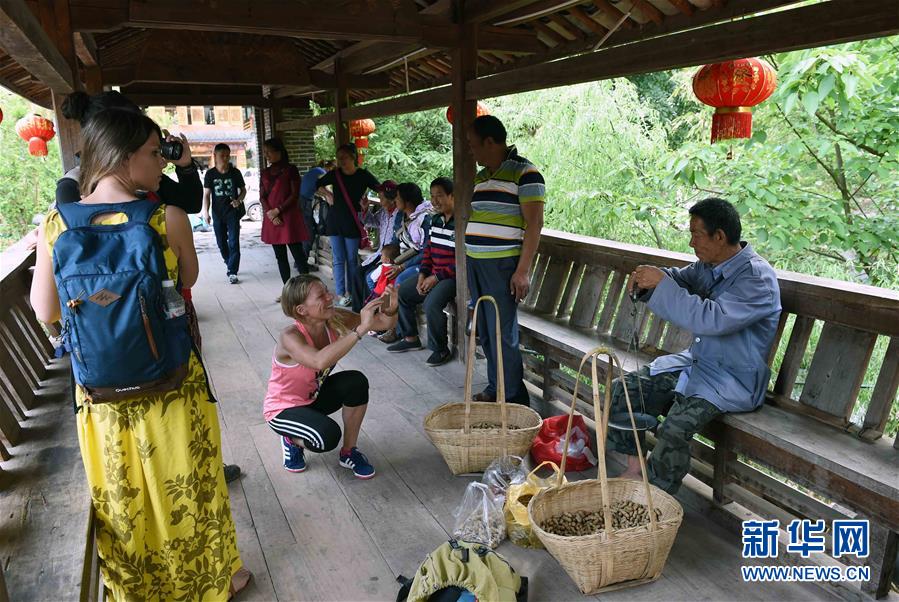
x=730, y=301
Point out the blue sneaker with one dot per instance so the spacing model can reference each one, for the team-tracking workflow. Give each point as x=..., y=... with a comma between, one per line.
x=294, y=456
x=357, y=461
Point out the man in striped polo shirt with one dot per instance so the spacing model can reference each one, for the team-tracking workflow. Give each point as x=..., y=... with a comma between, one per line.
x=436, y=283
x=500, y=243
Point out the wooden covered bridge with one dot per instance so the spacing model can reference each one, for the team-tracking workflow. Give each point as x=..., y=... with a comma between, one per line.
x=372, y=58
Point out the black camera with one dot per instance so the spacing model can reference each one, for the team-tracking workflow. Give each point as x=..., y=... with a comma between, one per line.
x=171, y=150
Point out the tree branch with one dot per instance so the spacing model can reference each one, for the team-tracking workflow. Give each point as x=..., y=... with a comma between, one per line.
x=858, y=145
x=830, y=172
x=829, y=255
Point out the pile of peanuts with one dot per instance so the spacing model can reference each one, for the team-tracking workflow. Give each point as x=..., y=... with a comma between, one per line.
x=490, y=425
x=625, y=515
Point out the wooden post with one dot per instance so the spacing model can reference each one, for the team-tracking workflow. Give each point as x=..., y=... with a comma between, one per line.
x=93, y=80
x=56, y=22
x=341, y=102
x=464, y=168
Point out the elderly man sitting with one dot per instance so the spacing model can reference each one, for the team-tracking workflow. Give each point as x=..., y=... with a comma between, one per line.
x=730, y=301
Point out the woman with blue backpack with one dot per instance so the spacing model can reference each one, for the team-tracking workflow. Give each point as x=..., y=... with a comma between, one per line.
x=110, y=268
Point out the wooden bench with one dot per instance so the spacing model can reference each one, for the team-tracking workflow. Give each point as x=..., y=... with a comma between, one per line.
x=807, y=432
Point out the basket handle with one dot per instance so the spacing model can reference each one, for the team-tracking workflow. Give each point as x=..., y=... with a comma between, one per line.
x=469, y=368
x=602, y=427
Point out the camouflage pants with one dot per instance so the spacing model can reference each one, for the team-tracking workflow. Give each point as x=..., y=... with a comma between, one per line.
x=684, y=417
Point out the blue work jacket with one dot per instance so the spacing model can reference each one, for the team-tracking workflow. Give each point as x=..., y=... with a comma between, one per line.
x=732, y=309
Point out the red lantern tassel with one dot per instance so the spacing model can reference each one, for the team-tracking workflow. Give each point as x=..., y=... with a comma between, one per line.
x=37, y=147
x=731, y=122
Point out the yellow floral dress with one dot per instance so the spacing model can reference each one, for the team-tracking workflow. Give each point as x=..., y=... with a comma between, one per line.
x=154, y=467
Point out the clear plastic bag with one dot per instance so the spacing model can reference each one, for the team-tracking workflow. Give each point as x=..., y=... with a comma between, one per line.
x=503, y=472
x=578, y=446
x=479, y=518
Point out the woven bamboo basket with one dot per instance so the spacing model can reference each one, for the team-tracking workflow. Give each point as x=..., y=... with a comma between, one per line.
x=612, y=559
x=449, y=427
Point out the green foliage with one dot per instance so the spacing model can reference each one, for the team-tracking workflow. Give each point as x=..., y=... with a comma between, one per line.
x=28, y=183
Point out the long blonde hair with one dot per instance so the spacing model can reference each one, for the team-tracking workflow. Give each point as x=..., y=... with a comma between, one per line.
x=109, y=138
x=296, y=291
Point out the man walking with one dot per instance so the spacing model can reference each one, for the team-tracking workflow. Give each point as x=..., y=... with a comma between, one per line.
x=500, y=243
x=225, y=185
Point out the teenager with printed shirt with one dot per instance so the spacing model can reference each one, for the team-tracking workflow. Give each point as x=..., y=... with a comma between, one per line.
x=151, y=449
x=223, y=185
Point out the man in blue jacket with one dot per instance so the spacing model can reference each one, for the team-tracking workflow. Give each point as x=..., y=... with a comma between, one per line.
x=730, y=301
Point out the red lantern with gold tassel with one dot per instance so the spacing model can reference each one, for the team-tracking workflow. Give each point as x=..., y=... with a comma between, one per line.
x=481, y=110
x=733, y=87
x=361, y=129
x=37, y=131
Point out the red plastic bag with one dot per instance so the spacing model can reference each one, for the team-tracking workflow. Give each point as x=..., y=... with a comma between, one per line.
x=548, y=444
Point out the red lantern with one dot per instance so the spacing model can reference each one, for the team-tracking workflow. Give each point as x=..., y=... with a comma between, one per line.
x=361, y=129
x=732, y=88
x=37, y=131
x=1, y=115
x=481, y=110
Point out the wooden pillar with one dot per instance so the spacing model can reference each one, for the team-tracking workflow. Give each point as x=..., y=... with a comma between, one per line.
x=93, y=80
x=465, y=59
x=341, y=102
x=56, y=22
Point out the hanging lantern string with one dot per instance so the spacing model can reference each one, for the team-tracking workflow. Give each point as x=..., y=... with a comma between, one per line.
x=406, y=66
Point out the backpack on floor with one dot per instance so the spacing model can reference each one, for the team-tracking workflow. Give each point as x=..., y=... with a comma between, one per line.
x=458, y=566
x=115, y=321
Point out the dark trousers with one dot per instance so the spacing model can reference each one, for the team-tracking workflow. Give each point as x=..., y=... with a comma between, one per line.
x=493, y=277
x=306, y=205
x=684, y=417
x=296, y=249
x=227, y=236
x=311, y=423
x=434, y=302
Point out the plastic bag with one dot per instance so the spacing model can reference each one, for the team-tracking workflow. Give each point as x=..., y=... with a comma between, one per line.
x=547, y=445
x=479, y=518
x=515, y=511
x=503, y=472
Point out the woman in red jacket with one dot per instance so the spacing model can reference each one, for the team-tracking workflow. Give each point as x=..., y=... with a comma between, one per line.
x=283, y=226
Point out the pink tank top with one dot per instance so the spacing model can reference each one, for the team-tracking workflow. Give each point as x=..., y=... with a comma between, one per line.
x=293, y=385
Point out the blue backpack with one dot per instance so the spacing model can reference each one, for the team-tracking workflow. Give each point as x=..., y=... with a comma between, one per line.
x=109, y=279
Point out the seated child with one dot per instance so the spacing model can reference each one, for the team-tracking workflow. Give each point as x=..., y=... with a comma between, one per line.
x=382, y=275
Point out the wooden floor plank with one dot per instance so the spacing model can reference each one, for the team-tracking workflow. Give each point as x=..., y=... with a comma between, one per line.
x=331, y=537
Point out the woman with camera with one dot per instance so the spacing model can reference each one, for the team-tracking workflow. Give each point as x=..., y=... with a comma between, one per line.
x=186, y=192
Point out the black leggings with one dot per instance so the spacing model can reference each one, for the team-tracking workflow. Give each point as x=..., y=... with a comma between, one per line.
x=311, y=423
x=299, y=256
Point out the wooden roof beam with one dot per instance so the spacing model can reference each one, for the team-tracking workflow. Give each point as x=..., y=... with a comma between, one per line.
x=587, y=20
x=683, y=6
x=484, y=11
x=23, y=39
x=611, y=11
x=86, y=49
x=335, y=21
x=649, y=11
x=832, y=22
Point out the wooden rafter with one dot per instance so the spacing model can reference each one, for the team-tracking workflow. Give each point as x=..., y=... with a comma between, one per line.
x=683, y=6
x=587, y=20
x=551, y=34
x=23, y=39
x=86, y=49
x=649, y=11
x=337, y=20
x=484, y=11
x=567, y=29
x=608, y=9
x=809, y=26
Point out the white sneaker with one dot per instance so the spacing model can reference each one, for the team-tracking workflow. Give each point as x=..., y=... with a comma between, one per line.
x=344, y=301
x=232, y=278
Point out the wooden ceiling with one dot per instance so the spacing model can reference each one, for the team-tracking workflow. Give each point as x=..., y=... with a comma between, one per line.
x=166, y=51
